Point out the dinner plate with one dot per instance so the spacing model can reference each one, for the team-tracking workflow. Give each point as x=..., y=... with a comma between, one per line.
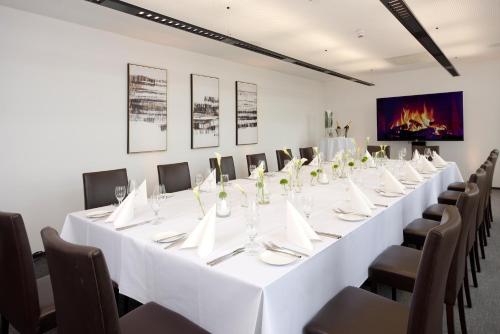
x=350, y=217
x=276, y=259
x=99, y=213
x=164, y=235
x=389, y=194
x=410, y=183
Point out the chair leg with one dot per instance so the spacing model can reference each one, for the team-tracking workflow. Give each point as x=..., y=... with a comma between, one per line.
x=461, y=312
x=481, y=242
x=487, y=222
x=489, y=208
x=394, y=294
x=473, y=268
x=5, y=325
x=449, y=319
x=476, y=256
x=466, y=286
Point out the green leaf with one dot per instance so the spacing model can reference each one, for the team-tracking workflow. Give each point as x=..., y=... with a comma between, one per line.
x=351, y=164
x=222, y=194
x=259, y=184
x=283, y=181
x=314, y=173
x=364, y=159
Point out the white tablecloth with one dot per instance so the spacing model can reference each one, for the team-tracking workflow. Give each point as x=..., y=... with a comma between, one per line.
x=330, y=146
x=242, y=294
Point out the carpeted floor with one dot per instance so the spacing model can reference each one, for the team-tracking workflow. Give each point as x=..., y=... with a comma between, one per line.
x=482, y=318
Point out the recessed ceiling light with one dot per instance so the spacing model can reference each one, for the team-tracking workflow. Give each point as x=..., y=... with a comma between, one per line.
x=157, y=17
x=149, y=15
x=140, y=13
x=170, y=22
x=163, y=20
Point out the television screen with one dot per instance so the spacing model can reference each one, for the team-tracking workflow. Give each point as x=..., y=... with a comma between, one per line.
x=421, y=117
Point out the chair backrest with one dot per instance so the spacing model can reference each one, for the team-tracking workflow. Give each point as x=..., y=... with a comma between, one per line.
x=426, y=307
x=281, y=157
x=83, y=292
x=307, y=153
x=18, y=289
x=421, y=148
x=227, y=167
x=485, y=193
x=467, y=205
x=99, y=187
x=493, y=159
x=256, y=159
x=372, y=149
x=175, y=177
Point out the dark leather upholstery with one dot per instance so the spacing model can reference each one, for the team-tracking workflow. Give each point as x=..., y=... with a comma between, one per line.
x=25, y=302
x=307, y=153
x=99, y=187
x=227, y=167
x=449, y=197
x=85, y=300
x=255, y=159
x=372, y=149
x=415, y=232
x=175, y=177
x=354, y=311
x=457, y=186
x=434, y=212
x=281, y=157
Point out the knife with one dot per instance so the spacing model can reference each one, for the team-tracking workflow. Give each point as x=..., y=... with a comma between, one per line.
x=226, y=256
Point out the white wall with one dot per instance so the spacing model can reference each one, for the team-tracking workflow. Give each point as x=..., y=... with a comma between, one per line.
x=480, y=83
x=63, y=93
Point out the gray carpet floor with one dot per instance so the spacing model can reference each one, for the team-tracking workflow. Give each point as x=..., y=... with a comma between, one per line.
x=482, y=318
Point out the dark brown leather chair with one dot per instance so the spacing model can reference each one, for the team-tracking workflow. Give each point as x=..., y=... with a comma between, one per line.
x=26, y=303
x=84, y=295
x=397, y=266
x=372, y=149
x=227, y=167
x=256, y=159
x=281, y=157
x=358, y=311
x=307, y=153
x=421, y=148
x=175, y=177
x=99, y=187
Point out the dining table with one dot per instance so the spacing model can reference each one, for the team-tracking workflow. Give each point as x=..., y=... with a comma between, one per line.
x=243, y=294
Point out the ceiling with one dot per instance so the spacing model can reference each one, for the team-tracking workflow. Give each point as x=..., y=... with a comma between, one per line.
x=321, y=32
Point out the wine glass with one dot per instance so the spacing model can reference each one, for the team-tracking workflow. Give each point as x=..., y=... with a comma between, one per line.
x=252, y=168
x=162, y=192
x=154, y=202
x=198, y=179
x=225, y=179
x=263, y=164
x=131, y=186
x=307, y=205
x=252, y=220
x=403, y=152
x=120, y=193
x=427, y=153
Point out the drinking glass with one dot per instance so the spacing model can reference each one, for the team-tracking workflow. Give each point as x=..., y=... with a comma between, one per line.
x=162, y=192
x=131, y=186
x=263, y=163
x=120, y=193
x=307, y=205
x=403, y=152
x=427, y=153
x=198, y=179
x=252, y=221
x=252, y=168
x=155, y=201
x=225, y=179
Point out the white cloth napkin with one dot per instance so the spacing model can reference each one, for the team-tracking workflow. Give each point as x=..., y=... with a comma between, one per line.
x=416, y=156
x=255, y=173
x=141, y=195
x=209, y=184
x=371, y=161
x=425, y=166
x=314, y=162
x=124, y=213
x=437, y=160
x=298, y=230
x=203, y=236
x=391, y=184
x=288, y=166
x=360, y=203
x=411, y=174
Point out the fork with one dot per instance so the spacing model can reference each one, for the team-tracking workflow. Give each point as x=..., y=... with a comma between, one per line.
x=272, y=244
x=339, y=210
x=272, y=249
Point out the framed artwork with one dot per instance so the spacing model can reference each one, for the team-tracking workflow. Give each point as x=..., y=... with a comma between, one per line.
x=246, y=113
x=204, y=111
x=147, y=109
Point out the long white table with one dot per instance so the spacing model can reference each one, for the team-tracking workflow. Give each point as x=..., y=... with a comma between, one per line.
x=243, y=294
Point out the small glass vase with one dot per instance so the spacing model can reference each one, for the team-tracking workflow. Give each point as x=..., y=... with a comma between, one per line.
x=262, y=195
x=296, y=181
x=223, y=204
x=284, y=189
x=323, y=178
x=314, y=180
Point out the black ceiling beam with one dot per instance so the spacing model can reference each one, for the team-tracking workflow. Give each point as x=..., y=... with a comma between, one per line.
x=402, y=12
x=149, y=15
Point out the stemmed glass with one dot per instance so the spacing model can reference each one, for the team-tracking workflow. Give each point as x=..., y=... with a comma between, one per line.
x=263, y=163
x=198, y=180
x=155, y=201
x=252, y=220
x=252, y=168
x=403, y=153
x=120, y=193
x=131, y=186
x=427, y=153
x=225, y=179
x=307, y=205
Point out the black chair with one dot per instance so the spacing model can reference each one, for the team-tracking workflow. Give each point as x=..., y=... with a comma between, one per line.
x=281, y=157
x=372, y=149
x=99, y=187
x=227, y=167
x=26, y=303
x=421, y=148
x=307, y=153
x=256, y=159
x=84, y=296
x=355, y=310
x=175, y=177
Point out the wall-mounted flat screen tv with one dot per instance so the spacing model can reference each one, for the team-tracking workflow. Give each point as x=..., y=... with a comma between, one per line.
x=421, y=117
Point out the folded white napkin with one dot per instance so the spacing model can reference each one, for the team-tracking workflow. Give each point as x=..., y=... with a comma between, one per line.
x=288, y=166
x=360, y=203
x=298, y=230
x=416, y=156
x=314, y=162
x=391, y=184
x=425, y=166
x=255, y=173
x=124, y=213
x=203, y=236
x=371, y=161
x=437, y=160
x=141, y=195
x=209, y=184
x=411, y=174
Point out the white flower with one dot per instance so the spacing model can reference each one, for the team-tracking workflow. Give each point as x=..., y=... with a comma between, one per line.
x=285, y=150
x=196, y=192
x=218, y=157
x=240, y=188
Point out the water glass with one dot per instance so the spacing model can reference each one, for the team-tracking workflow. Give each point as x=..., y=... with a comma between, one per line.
x=252, y=168
x=427, y=153
x=263, y=164
x=307, y=205
x=155, y=201
x=252, y=221
x=225, y=179
x=403, y=152
x=120, y=193
x=131, y=186
x=198, y=179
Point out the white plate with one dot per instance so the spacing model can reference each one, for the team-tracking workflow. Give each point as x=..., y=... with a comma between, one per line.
x=389, y=194
x=163, y=235
x=350, y=217
x=276, y=259
x=99, y=213
x=411, y=183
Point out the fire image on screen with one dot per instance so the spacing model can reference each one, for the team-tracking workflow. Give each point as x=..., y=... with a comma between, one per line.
x=421, y=117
